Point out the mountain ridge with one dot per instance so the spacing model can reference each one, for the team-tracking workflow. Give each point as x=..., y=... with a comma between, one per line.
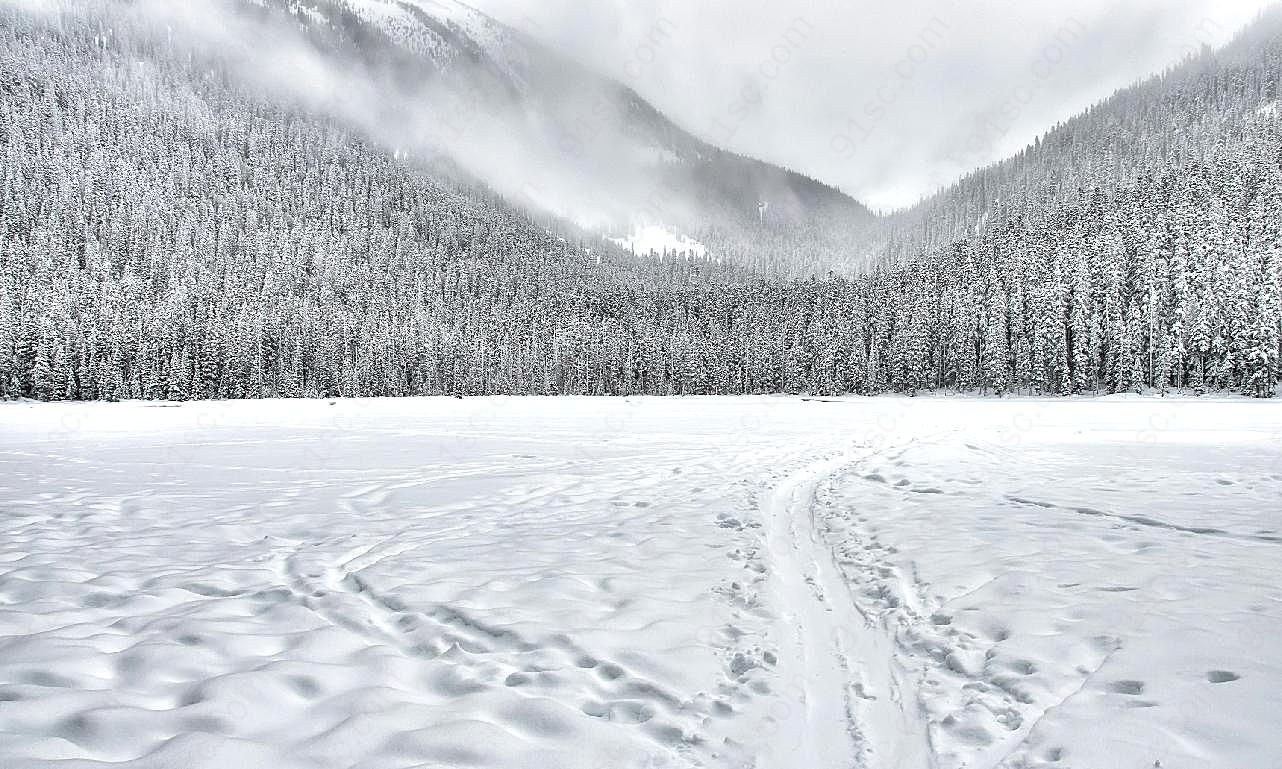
x=572, y=118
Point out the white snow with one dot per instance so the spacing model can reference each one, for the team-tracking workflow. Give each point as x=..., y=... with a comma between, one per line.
x=395, y=18
x=657, y=239
x=522, y=582
x=313, y=13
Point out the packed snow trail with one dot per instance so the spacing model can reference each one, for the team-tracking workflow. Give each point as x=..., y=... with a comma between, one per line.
x=846, y=705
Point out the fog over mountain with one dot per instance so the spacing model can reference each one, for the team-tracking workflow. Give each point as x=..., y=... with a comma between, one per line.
x=626, y=119
x=888, y=102
x=437, y=79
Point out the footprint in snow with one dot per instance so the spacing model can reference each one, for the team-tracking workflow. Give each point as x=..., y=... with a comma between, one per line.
x=1126, y=687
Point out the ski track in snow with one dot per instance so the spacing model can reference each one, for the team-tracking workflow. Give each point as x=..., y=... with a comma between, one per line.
x=836, y=717
x=757, y=583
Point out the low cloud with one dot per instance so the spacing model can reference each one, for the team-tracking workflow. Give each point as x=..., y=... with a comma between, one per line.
x=568, y=157
x=882, y=101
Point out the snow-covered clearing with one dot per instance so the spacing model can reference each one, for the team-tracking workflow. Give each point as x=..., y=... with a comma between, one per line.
x=641, y=583
x=658, y=240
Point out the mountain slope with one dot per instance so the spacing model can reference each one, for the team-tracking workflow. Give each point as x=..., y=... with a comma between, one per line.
x=554, y=135
x=1168, y=121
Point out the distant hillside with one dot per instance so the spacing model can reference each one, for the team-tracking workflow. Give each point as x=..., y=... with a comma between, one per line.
x=1170, y=121
x=553, y=134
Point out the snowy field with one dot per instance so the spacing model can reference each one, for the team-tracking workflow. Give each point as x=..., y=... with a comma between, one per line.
x=592, y=583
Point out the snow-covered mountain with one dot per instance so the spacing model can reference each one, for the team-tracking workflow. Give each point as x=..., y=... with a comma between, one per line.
x=554, y=135
x=1170, y=122
x=244, y=203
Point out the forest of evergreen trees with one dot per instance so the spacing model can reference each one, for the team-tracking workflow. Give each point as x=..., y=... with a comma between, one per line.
x=164, y=234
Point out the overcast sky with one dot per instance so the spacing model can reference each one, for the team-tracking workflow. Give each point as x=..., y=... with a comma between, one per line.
x=887, y=100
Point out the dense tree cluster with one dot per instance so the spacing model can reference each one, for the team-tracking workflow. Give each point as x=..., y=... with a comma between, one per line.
x=164, y=234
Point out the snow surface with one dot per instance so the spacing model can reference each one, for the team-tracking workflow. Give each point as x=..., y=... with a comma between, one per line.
x=639, y=583
x=656, y=239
